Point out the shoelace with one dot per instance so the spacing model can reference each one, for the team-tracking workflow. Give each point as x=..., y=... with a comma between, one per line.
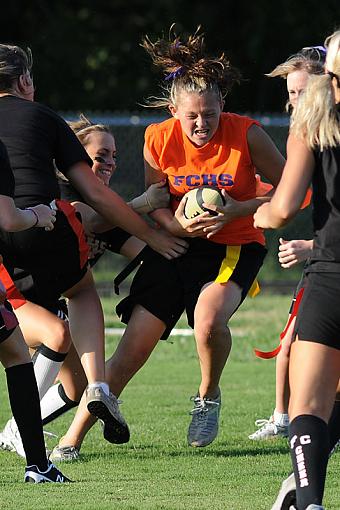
x=264, y=423
x=202, y=405
x=116, y=402
x=49, y=434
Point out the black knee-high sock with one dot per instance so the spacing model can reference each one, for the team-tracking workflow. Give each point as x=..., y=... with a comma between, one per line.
x=24, y=400
x=309, y=444
x=334, y=426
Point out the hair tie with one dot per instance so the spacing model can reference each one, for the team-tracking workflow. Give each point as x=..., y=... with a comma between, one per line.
x=175, y=74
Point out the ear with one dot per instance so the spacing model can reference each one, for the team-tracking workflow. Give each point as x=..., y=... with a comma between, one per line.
x=25, y=81
x=173, y=111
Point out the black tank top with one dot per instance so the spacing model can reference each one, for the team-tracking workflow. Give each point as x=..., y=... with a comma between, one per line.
x=326, y=211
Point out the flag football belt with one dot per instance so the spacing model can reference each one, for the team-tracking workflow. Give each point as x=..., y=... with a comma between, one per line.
x=275, y=352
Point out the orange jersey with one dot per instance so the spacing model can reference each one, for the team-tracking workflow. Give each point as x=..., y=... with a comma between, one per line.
x=224, y=162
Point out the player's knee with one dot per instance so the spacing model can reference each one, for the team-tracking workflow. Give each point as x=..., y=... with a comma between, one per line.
x=209, y=329
x=61, y=337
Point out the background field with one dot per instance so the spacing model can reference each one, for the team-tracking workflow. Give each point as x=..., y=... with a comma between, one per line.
x=156, y=470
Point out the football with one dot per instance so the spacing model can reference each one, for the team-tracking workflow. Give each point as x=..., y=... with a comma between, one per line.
x=199, y=196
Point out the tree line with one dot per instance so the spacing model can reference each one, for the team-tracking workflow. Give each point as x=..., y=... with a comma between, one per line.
x=87, y=54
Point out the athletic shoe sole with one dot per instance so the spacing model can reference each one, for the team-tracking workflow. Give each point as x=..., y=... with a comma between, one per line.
x=114, y=431
x=287, y=494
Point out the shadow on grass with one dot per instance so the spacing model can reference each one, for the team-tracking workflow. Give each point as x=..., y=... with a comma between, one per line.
x=144, y=452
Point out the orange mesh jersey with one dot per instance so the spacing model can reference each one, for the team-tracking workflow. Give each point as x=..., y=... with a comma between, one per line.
x=224, y=162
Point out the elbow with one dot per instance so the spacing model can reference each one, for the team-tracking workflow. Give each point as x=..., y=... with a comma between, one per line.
x=284, y=213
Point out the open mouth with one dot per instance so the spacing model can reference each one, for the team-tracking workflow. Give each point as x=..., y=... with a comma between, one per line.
x=104, y=172
x=201, y=133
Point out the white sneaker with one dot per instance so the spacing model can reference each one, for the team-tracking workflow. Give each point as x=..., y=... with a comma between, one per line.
x=10, y=439
x=286, y=499
x=268, y=429
x=203, y=428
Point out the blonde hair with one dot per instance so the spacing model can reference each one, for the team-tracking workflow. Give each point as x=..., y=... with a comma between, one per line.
x=315, y=118
x=304, y=60
x=83, y=127
x=297, y=62
x=188, y=68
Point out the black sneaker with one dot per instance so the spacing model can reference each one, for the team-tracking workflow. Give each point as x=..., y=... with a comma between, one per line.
x=52, y=474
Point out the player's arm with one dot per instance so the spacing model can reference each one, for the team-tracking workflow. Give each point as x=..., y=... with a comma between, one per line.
x=156, y=196
x=269, y=162
x=112, y=207
x=13, y=219
x=175, y=224
x=293, y=252
x=292, y=188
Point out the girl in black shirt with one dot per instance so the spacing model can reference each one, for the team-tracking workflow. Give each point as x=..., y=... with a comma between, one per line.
x=36, y=139
x=313, y=150
x=14, y=355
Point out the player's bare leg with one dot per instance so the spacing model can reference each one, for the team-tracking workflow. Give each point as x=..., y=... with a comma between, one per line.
x=216, y=304
x=139, y=340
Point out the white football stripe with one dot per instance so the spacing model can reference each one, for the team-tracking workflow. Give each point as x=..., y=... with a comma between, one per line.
x=175, y=332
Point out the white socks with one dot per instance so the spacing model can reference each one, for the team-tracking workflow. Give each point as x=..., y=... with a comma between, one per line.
x=47, y=364
x=55, y=403
x=281, y=419
x=103, y=385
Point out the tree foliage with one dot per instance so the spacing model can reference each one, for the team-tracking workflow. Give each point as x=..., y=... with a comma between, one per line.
x=87, y=53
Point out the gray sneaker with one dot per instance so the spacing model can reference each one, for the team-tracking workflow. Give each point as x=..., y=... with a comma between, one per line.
x=286, y=499
x=204, y=423
x=105, y=408
x=64, y=454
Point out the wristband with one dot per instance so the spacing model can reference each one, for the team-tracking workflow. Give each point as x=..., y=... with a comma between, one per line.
x=35, y=214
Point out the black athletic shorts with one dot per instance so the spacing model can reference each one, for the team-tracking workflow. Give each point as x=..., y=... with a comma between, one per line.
x=8, y=321
x=318, y=318
x=56, y=260
x=168, y=287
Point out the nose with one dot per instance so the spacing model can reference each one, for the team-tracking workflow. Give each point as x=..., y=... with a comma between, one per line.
x=201, y=121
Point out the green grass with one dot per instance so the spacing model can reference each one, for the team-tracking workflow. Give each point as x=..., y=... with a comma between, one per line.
x=156, y=470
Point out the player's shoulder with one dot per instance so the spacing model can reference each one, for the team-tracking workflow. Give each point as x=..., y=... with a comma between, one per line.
x=159, y=133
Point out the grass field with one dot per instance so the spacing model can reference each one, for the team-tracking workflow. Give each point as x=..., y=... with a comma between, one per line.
x=156, y=469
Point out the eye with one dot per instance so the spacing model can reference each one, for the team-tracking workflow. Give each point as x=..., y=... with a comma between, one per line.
x=99, y=159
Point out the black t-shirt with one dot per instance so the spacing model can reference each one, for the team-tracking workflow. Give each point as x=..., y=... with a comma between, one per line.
x=37, y=139
x=7, y=178
x=326, y=211
x=68, y=192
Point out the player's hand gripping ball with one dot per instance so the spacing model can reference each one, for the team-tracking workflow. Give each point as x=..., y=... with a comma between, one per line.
x=196, y=197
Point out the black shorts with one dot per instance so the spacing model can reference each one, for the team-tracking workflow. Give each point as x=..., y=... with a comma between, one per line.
x=168, y=287
x=114, y=239
x=56, y=260
x=300, y=285
x=8, y=321
x=318, y=318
